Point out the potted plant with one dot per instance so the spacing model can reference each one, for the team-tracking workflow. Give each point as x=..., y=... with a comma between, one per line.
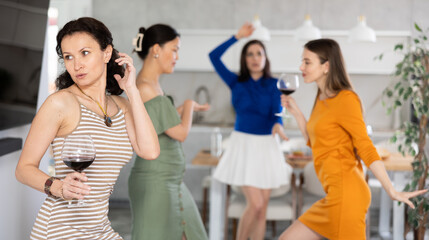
x=411, y=84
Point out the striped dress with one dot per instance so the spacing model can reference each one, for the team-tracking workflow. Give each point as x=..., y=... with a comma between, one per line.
x=113, y=150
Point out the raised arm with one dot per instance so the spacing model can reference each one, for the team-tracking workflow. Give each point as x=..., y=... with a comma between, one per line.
x=215, y=55
x=140, y=129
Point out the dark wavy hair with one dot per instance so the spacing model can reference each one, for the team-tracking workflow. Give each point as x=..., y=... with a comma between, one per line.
x=244, y=74
x=155, y=34
x=104, y=38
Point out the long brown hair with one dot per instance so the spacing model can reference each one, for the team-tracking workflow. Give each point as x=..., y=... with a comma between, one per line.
x=337, y=78
x=244, y=70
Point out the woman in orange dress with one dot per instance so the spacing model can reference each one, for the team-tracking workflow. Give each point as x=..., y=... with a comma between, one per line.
x=337, y=135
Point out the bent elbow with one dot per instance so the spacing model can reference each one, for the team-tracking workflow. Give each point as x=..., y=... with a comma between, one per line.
x=153, y=154
x=182, y=138
x=17, y=174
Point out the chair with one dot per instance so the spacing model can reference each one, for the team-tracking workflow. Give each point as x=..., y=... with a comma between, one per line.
x=310, y=186
x=282, y=205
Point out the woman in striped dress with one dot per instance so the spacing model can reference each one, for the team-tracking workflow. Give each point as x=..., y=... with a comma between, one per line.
x=87, y=103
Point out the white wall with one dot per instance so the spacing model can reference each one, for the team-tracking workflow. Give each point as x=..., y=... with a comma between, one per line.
x=18, y=203
x=205, y=24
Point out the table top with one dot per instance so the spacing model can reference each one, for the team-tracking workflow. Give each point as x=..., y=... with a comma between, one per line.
x=204, y=158
x=397, y=162
x=394, y=162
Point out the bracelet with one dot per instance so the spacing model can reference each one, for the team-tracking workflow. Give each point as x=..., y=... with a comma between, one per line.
x=62, y=192
x=48, y=185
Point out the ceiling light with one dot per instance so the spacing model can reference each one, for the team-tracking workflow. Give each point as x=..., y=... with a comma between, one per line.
x=261, y=33
x=361, y=32
x=307, y=31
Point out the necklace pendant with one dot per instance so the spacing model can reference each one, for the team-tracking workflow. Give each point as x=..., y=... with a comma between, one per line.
x=107, y=121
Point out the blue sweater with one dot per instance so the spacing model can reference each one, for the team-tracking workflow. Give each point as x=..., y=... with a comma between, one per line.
x=255, y=102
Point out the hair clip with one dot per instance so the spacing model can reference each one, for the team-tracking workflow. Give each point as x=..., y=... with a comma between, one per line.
x=137, y=42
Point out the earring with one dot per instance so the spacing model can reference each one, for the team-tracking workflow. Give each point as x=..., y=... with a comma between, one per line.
x=156, y=56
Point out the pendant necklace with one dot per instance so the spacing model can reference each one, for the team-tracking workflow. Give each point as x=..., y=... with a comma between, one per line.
x=107, y=119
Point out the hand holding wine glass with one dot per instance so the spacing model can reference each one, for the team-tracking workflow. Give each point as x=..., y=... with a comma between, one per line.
x=287, y=84
x=78, y=153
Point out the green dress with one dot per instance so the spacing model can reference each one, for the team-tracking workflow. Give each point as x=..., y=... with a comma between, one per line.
x=162, y=206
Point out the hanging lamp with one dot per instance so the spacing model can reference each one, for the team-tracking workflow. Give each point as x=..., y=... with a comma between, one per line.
x=260, y=33
x=361, y=32
x=307, y=31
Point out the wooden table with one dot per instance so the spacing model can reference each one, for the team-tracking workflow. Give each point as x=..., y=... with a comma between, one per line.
x=204, y=158
x=397, y=162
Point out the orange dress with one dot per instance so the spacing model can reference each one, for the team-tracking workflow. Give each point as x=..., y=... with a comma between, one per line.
x=336, y=128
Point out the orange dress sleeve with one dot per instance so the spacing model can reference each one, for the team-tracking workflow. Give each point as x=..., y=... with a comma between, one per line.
x=351, y=119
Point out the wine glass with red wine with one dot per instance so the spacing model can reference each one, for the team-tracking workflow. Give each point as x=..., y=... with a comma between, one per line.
x=78, y=153
x=287, y=84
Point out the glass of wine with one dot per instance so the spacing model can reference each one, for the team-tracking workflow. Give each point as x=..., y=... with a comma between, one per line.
x=287, y=84
x=78, y=153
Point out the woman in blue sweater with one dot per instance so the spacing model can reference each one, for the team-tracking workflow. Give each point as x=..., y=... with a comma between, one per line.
x=253, y=160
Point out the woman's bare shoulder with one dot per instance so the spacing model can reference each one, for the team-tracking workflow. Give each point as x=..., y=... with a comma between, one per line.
x=147, y=92
x=60, y=109
x=61, y=100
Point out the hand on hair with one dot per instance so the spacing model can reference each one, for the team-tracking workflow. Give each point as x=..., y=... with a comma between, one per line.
x=245, y=31
x=129, y=79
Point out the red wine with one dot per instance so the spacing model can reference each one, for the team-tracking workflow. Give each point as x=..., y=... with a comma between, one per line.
x=287, y=91
x=78, y=163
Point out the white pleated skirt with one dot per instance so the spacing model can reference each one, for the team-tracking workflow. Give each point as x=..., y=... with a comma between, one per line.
x=253, y=160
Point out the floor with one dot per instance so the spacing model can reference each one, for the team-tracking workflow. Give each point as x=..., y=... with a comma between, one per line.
x=120, y=217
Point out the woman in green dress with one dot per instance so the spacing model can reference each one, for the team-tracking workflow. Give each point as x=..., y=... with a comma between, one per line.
x=162, y=206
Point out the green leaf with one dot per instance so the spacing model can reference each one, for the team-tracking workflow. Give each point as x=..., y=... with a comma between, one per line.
x=413, y=184
x=389, y=93
x=416, y=41
x=379, y=57
x=398, y=103
x=397, y=85
x=407, y=188
x=417, y=27
x=399, y=46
